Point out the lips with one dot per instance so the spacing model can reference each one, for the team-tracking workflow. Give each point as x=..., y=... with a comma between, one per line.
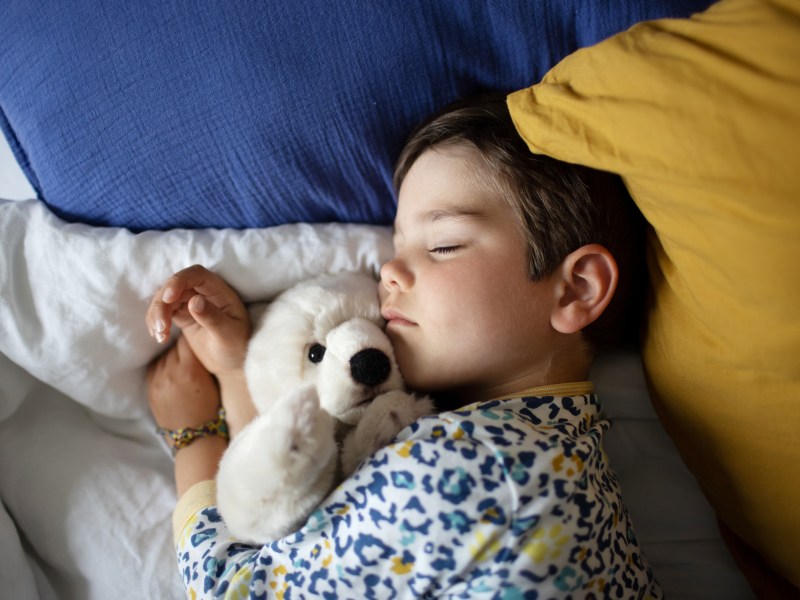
x=395, y=317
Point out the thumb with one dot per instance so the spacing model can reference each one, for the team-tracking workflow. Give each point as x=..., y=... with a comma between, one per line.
x=208, y=316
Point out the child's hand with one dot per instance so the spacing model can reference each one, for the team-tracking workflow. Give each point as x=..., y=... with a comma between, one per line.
x=181, y=392
x=210, y=313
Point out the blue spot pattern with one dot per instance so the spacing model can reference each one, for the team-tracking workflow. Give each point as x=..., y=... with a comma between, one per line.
x=505, y=499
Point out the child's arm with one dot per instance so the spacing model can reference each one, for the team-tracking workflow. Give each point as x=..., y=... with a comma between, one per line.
x=216, y=325
x=182, y=393
x=386, y=529
x=478, y=504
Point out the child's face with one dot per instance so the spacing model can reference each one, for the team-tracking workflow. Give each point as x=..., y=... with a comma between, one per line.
x=461, y=310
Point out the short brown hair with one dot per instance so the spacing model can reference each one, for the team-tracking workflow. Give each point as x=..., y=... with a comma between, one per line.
x=559, y=206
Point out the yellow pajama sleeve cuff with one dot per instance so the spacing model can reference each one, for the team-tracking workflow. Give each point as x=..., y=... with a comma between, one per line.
x=196, y=498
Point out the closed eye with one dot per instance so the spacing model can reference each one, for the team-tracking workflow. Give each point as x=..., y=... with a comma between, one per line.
x=441, y=250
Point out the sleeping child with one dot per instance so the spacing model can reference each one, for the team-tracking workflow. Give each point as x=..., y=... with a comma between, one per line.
x=511, y=272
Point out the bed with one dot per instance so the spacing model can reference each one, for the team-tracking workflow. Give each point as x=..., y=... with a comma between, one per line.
x=257, y=141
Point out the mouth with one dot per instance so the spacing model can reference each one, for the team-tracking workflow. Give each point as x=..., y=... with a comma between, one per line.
x=353, y=413
x=394, y=317
x=369, y=395
x=366, y=401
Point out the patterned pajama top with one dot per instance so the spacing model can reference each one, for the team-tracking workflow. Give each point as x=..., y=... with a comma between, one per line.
x=510, y=498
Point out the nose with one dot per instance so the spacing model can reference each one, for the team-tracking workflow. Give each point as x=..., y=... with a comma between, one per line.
x=370, y=367
x=394, y=274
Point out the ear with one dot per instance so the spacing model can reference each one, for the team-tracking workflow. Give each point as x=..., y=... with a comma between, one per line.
x=586, y=281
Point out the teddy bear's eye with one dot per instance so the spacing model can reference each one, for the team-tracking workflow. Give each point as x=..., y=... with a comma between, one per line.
x=316, y=353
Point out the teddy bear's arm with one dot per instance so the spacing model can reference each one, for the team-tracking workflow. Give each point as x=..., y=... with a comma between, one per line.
x=277, y=469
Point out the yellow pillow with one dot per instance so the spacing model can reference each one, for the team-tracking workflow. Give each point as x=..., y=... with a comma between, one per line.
x=701, y=117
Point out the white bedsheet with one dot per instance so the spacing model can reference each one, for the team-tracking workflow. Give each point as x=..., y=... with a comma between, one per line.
x=85, y=483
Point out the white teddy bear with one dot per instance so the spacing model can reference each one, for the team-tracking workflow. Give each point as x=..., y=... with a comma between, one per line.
x=324, y=380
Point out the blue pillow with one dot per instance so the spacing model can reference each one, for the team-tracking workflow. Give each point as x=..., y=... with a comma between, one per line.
x=154, y=115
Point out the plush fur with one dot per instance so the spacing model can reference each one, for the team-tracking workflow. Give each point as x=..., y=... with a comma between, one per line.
x=323, y=377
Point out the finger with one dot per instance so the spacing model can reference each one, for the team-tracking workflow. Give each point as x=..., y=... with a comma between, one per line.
x=181, y=317
x=159, y=320
x=177, y=284
x=208, y=316
x=196, y=278
x=162, y=317
x=169, y=306
x=181, y=348
x=159, y=316
x=207, y=284
x=218, y=323
x=167, y=301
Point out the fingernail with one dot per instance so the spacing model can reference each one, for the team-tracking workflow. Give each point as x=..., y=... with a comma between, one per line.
x=168, y=295
x=159, y=325
x=160, y=337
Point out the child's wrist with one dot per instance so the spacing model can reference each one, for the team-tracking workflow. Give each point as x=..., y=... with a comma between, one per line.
x=231, y=378
x=198, y=462
x=236, y=399
x=182, y=437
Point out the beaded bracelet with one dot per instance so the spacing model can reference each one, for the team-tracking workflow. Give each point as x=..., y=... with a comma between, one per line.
x=180, y=438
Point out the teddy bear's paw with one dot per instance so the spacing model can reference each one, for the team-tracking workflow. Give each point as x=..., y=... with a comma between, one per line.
x=266, y=483
x=385, y=417
x=302, y=438
x=394, y=411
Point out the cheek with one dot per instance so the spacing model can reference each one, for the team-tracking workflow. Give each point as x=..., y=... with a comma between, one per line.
x=446, y=290
x=501, y=309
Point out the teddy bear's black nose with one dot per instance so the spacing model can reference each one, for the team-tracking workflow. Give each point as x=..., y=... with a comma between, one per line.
x=370, y=367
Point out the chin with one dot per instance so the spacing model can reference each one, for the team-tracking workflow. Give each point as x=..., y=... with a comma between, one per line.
x=420, y=373
x=424, y=382
x=413, y=379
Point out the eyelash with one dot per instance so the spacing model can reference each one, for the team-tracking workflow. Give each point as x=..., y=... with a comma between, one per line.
x=444, y=249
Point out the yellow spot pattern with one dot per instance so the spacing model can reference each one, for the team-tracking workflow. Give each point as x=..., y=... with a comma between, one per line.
x=279, y=593
x=546, y=543
x=576, y=465
x=240, y=584
x=404, y=449
x=485, y=547
x=278, y=572
x=326, y=562
x=490, y=515
x=188, y=529
x=400, y=567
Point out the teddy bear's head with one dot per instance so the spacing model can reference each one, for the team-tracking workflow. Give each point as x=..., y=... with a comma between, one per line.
x=325, y=332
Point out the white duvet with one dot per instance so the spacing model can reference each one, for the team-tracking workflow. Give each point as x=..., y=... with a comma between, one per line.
x=87, y=487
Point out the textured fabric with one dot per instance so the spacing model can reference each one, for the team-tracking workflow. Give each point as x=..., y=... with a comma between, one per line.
x=73, y=297
x=501, y=499
x=152, y=115
x=702, y=119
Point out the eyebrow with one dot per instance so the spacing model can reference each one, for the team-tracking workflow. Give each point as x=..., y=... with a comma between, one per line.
x=443, y=214
x=447, y=213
